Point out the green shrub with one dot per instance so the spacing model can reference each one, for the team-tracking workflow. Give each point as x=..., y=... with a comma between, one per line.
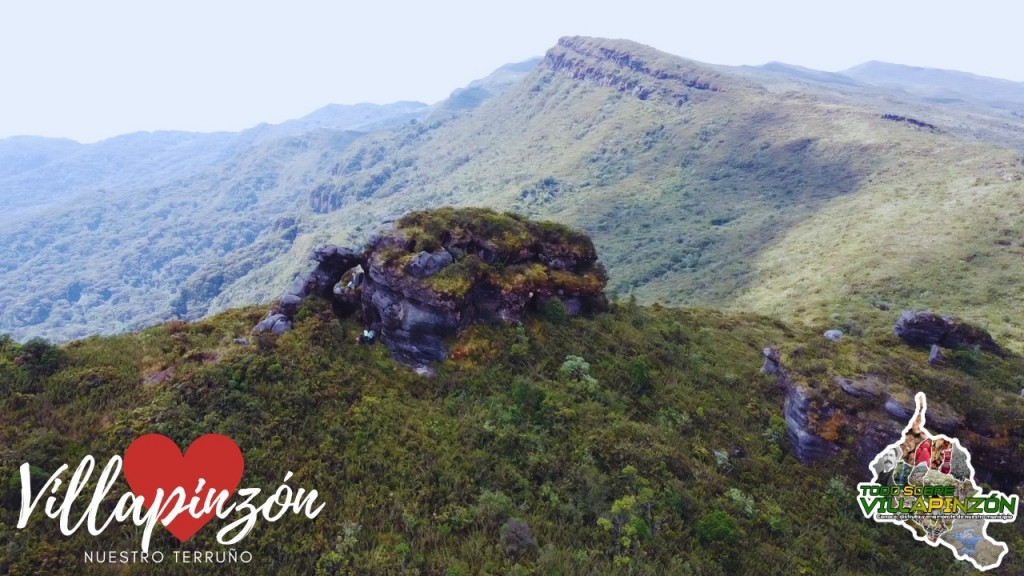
x=493, y=508
x=578, y=370
x=639, y=377
x=717, y=526
x=554, y=311
x=41, y=358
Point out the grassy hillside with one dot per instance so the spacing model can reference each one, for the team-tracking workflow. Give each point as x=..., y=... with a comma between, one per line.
x=665, y=454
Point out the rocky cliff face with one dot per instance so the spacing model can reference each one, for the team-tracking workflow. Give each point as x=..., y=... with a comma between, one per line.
x=629, y=67
x=425, y=278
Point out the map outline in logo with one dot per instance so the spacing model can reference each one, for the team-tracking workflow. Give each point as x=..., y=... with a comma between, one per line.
x=891, y=465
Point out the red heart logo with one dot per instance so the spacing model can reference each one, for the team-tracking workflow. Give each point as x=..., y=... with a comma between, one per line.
x=155, y=462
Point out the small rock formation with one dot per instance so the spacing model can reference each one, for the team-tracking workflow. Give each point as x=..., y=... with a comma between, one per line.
x=834, y=335
x=333, y=263
x=927, y=328
x=868, y=388
x=772, y=362
x=275, y=323
x=899, y=411
x=911, y=121
x=433, y=273
x=806, y=445
x=935, y=355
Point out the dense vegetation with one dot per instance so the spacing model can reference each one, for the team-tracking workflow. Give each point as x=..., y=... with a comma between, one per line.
x=134, y=230
x=641, y=441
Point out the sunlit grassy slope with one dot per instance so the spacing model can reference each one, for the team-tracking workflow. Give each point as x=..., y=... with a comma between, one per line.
x=952, y=242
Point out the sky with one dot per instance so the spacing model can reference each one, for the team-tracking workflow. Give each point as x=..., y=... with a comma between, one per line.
x=91, y=70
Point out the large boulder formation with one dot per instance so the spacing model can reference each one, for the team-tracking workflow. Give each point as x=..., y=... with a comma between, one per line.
x=424, y=278
x=806, y=445
x=928, y=329
x=435, y=272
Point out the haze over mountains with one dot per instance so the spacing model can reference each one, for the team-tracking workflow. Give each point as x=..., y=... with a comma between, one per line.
x=821, y=197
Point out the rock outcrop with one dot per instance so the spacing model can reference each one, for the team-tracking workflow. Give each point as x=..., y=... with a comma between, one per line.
x=927, y=329
x=864, y=414
x=806, y=445
x=629, y=67
x=911, y=121
x=772, y=361
x=332, y=264
x=436, y=272
x=431, y=274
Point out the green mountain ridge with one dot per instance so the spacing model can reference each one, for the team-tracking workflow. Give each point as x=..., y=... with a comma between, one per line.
x=728, y=199
x=700, y=185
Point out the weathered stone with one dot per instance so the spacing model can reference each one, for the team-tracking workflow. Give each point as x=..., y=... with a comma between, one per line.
x=920, y=328
x=298, y=287
x=772, y=362
x=427, y=264
x=876, y=418
x=290, y=304
x=573, y=306
x=806, y=445
x=935, y=355
x=281, y=326
x=414, y=315
x=834, y=335
x=899, y=411
x=927, y=329
x=275, y=323
x=868, y=388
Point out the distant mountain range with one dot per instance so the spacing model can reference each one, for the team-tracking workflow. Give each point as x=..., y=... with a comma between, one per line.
x=832, y=198
x=40, y=172
x=942, y=86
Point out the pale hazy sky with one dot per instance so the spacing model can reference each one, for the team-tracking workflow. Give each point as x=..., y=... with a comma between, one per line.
x=92, y=69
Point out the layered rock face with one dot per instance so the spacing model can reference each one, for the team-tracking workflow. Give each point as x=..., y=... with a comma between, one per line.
x=433, y=273
x=623, y=66
x=863, y=414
